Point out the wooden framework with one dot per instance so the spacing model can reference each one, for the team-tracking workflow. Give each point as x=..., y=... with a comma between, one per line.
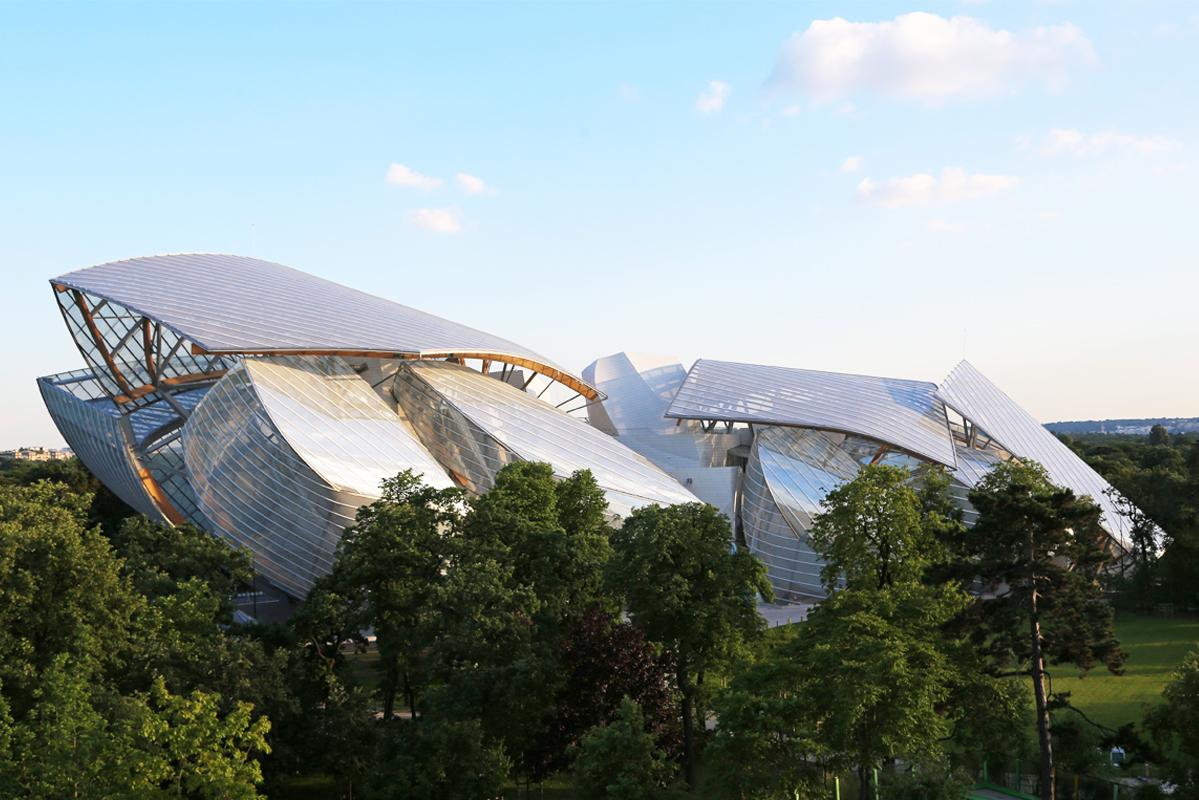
x=460, y=357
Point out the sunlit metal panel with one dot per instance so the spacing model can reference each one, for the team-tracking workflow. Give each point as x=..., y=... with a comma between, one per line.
x=968, y=392
x=903, y=413
x=98, y=435
x=523, y=427
x=282, y=453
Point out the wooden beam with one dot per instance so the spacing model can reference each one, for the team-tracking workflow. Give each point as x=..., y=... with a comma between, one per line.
x=168, y=383
x=98, y=339
x=562, y=377
x=160, y=497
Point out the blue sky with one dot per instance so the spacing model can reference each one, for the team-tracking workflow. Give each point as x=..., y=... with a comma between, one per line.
x=758, y=182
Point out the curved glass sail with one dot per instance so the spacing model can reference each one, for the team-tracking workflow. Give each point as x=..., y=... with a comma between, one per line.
x=282, y=453
x=507, y=424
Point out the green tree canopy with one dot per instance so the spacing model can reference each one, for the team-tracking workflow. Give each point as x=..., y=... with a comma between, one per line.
x=690, y=591
x=1036, y=548
x=621, y=761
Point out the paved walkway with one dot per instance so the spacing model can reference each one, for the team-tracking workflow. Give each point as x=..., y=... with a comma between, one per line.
x=776, y=615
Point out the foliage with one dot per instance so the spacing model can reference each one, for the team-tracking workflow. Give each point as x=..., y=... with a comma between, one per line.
x=389, y=576
x=621, y=761
x=158, y=558
x=871, y=531
x=890, y=673
x=604, y=660
x=103, y=507
x=690, y=592
x=1174, y=725
x=1035, y=548
x=764, y=746
x=435, y=760
x=927, y=780
x=108, y=664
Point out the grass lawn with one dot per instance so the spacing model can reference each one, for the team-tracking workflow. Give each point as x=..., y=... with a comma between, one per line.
x=1155, y=647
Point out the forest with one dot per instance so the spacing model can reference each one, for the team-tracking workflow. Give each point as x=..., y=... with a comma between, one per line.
x=515, y=644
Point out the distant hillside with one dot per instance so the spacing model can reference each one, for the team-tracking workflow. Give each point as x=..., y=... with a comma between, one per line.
x=1128, y=427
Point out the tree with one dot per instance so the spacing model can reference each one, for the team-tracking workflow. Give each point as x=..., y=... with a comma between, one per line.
x=929, y=780
x=553, y=533
x=764, y=745
x=690, y=592
x=1036, y=549
x=390, y=572
x=158, y=558
x=1174, y=726
x=603, y=661
x=876, y=675
x=431, y=759
x=620, y=760
x=872, y=531
x=61, y=589
x=1143, y=535
x=1159, y=435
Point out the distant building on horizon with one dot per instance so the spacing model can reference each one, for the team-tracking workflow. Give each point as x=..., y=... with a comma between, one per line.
x=36, y=454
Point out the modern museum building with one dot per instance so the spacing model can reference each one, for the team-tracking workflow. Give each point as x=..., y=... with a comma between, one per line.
x=265, y=405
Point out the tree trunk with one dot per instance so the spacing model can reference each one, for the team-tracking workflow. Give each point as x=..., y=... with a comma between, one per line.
x=863, y=782
x=409, y=695
x=1038, y=681
x=688, y=693
x=390, y=686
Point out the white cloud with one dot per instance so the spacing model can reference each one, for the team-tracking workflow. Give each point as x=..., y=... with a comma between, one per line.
x=922, y=189
x=851, y=164
x=1068, y=141
x=628, y=92
x=942, y=225
x=713, y=99
x=472, y=184
x=402, y=175
x=792, y=110
x=438, y=220
x=925, y=57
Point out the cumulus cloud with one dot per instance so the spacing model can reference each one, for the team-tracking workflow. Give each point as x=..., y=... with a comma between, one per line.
x=926, y=57
x=438, y=220
x=713, y=98
x=851, y=164
x=472, y=184
x=403, y=175
x=954, y=185
x=1068, y=141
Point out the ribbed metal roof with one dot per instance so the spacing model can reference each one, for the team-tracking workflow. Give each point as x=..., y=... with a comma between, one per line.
x=971, y=394
x=903, y=413
x=234, y=304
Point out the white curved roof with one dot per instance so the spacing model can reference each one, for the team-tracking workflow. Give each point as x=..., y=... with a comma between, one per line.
x=338, y=425
x=235, y=304
x=903, y=413
x=971, y=394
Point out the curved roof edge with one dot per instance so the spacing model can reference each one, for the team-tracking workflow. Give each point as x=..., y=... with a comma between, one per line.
x=899, y=413
x=230, y=304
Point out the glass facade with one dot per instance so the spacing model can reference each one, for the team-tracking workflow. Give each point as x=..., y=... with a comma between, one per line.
x=477, y=422
x=283, y=452
x=98, y=435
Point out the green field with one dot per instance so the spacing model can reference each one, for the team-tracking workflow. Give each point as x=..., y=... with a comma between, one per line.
x=1155, y=647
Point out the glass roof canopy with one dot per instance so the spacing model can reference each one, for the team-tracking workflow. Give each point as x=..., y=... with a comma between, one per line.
x=226, y=304
x=903, y=413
